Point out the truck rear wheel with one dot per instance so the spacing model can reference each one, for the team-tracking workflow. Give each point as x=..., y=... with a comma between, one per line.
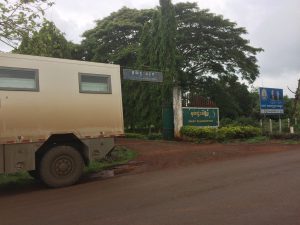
x=61, y=166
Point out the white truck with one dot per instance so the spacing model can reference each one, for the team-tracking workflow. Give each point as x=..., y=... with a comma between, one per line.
x=57, y=115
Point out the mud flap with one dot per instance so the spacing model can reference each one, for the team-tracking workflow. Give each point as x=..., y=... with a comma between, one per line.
x=1, y=159
x=99, y=148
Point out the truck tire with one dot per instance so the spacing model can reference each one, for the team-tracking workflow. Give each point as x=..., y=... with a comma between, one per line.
x=61, y=166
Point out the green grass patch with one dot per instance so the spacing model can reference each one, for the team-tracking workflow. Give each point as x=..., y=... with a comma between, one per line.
x=256, y=140
x=120, y=155
x=291, y=142
x=17, y=179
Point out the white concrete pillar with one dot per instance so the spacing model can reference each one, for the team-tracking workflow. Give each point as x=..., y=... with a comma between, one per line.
x=177, y=108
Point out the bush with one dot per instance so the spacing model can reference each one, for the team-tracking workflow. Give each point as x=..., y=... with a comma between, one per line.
x=221, y=134
x=196, y=132
x=153, y=136
x=135, y=136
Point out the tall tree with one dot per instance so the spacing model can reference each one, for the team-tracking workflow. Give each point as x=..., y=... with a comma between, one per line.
x=231, y=96
x=166, y=49
x=18, y=18
x=206, y=45
x=48, y=41
x=212, y=45
x=115, y=39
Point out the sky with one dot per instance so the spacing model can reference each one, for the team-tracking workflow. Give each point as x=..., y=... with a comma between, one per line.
x=271, y=24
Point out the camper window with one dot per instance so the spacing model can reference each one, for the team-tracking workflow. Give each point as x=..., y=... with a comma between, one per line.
x=17, y=79
x=94, y=83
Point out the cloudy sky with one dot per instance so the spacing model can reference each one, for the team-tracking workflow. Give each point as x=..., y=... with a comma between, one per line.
x=272, y=24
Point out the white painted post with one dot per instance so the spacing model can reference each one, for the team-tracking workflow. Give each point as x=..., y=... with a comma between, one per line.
x=261, y=123
x=271, y=127
x=177, y=108
x=280, y=126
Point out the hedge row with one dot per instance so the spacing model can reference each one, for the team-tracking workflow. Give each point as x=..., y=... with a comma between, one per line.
x=223, y=133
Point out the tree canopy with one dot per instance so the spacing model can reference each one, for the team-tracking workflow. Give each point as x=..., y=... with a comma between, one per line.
x=48, y=41
x=20, y=18
x=204, y=45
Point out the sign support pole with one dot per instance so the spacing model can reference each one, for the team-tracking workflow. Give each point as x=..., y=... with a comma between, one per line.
x=280, y=125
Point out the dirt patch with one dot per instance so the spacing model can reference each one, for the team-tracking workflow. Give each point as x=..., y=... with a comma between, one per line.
x=163, y=154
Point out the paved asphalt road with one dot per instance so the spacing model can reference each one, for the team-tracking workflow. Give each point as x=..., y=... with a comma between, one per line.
x=257, y=190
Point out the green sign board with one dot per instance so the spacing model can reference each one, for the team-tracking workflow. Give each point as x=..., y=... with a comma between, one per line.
x=201, y=117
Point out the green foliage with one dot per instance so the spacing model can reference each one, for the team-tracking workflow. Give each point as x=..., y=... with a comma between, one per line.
x=231, y=96
x=220, y=134
x=120, y=155
x=196, y=132
x=211, y=44
x=136, y=136
x=165, y=51
x=152, y=136
x=19, y=19
x=48, y=41
x=256, y=140
x=155, y=136
x=188, y=48
x=115, y=39
x=18, y=179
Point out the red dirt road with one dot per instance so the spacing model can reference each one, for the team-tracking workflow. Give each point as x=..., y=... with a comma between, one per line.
x=162, y=154
x=174, y=187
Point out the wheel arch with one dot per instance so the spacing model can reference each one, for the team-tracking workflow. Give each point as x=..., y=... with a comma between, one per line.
x=68, y=139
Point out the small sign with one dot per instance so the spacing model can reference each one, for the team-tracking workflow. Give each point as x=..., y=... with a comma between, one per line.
x=271, y=101
x=139, y=75
x=200, y=117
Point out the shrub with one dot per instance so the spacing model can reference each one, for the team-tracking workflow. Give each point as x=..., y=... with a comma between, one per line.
x=199, y=133
x=135, y=136
x=221, y=134
x=155, y=136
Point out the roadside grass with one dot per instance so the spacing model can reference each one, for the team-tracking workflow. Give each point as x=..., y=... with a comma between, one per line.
x=257, y=140
x=291, y=142
x=152, y=136
x=18, y=179
x=120, y=155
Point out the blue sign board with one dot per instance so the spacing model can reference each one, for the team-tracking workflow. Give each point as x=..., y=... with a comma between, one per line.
x=271, y=101
x=139, y=75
